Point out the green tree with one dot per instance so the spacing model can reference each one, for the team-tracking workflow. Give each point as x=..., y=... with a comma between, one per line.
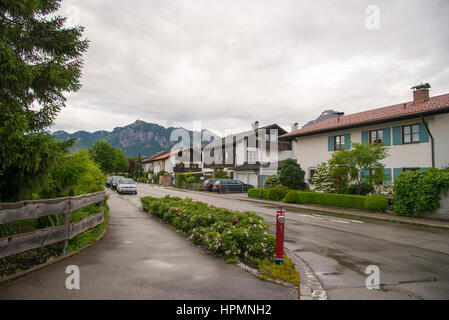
x=220, y=174
x=109, y=158
x=40, y=60
x=292, y=176
x=362, y=162
x=271, y=181
x=323, y=179
x=139, y=170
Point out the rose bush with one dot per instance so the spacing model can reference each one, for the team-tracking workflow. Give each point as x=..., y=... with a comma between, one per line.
x=223, y=232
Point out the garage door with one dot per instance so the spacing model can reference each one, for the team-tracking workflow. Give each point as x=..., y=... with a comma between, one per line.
x=253, y=179
x=241, y=177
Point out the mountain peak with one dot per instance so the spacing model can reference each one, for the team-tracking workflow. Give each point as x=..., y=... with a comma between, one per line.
x=326, y=114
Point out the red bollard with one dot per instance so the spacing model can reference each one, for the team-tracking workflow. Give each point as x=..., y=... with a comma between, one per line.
x=280, y=223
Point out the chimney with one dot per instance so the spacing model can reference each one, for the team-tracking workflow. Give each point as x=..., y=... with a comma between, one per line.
x=295, y=126
x=255, y=125
x=421, y=93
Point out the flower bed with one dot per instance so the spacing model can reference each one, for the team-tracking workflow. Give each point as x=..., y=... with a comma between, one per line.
x=224, y=232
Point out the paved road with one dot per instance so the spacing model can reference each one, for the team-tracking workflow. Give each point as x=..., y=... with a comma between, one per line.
x=413, y=261
x=141, y=258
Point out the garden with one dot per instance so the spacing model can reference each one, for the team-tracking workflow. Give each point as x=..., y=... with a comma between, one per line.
x=356, y=179
x=233, y=235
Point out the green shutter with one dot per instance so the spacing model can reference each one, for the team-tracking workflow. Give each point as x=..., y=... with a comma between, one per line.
x=396, y=172
x=423, y=135
x=347, y=141
x=365, y=137
x=387, y=136
x=397, y=136
x=330, y=143
x=423, y=169
x=387, y=173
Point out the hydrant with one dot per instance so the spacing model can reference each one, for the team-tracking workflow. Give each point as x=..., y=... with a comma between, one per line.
x=280, y=223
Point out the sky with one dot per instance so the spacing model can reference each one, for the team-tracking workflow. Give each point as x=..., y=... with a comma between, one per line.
x=230, y=63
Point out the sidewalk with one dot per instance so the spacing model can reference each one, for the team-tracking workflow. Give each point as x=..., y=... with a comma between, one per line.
x=434, y=223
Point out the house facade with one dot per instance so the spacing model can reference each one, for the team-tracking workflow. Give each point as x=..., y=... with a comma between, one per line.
x=248, y=156
x=415, y=133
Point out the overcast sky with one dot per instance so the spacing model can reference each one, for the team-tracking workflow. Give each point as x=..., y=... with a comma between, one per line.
x=229, y=63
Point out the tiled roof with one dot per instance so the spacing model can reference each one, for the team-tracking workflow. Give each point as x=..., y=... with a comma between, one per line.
x=151, y=158
x=403, y=110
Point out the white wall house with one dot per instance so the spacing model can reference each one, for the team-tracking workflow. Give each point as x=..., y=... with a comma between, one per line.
x=406, y=129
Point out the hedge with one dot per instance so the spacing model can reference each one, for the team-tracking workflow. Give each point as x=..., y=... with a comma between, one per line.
x=255, y=193
x=332, y=199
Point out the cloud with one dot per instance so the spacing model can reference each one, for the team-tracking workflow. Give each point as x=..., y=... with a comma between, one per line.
x=229, y=63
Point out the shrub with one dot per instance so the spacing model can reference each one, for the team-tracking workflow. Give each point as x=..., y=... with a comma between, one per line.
x=365, y=189
x=220, y=174
x=331, y=199
x=386, y=190
x=221, y=231
x=277, y=193
x=419, y=191
x=322, y=179
x=292, y=176
x=255, y=193
x=291, y=196
x=376, y=202
x=271, y=181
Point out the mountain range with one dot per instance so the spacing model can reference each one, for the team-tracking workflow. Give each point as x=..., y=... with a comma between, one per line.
x=139, y=137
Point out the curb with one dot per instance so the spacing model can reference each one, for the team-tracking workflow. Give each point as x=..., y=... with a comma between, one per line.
x=22, y=274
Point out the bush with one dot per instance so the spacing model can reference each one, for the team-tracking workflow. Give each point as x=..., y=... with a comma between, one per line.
x=277, y=193
x=221, y=231
x=291, y=196
x=376, y=202
x=255, y=193
x=419, y=191
x=386, y=190
x=271, y=181
x=220, y=174
x=353, y=188
x=331, y=199
x=292, y=176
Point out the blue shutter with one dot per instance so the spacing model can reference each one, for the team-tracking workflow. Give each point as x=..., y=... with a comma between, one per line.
x=423, y=169
x=387, y=173
x=396, y=172
x=365, y=138
x=397, y=136
x=347, y=141
x=387, y=136
x=330, y=143
x=365, y=175
x=423, y=135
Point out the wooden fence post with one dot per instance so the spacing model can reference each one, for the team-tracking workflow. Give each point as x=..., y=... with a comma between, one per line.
x=66, y=222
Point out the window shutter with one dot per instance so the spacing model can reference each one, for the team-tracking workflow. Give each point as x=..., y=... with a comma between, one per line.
x=423, y=135
x=387, y=173
x=365, y=137
x=347, y=141
x=387, y=136
x=365, y=175
x=397, y=136
x=330, y=143
x=423, y=169
x=396, y=172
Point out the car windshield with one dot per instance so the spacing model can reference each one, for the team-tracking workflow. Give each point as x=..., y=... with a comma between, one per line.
x=127, y=181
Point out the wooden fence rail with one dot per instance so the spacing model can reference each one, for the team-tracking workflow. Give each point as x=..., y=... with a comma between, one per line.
x=10, y=212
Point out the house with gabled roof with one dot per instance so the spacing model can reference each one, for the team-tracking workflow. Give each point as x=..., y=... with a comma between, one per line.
x=416, y=134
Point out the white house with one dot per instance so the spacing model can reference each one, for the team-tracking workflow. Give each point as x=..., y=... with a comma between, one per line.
x=416, y=134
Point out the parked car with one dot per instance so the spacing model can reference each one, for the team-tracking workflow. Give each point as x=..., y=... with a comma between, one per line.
x=115, y=180
x=127, y=186
x=208, y=184
x=108, y=182
x=230, y=185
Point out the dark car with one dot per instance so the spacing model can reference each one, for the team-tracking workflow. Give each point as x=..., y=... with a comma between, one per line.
x=109, y=182
x=208, y=184
x=115, y=180
x=230, y=185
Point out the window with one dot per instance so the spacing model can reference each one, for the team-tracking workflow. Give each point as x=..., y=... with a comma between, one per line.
x=339, y=142
x=311, y=173
x=409, y=169
x=376, y=136
x=410, y=134
x=267, y=136
x=251, y=156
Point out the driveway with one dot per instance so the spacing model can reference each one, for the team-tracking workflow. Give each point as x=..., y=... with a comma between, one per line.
x=142, y=258
x=413, y=261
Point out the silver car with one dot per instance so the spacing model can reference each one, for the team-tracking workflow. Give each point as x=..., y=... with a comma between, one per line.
x=127, y=186
x=115, y=180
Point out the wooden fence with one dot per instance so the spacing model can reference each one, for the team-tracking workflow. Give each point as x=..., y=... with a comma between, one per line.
x=10, y=212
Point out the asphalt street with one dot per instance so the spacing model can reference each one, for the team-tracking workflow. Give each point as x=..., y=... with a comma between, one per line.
x=142, y=258
x=413, y=261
